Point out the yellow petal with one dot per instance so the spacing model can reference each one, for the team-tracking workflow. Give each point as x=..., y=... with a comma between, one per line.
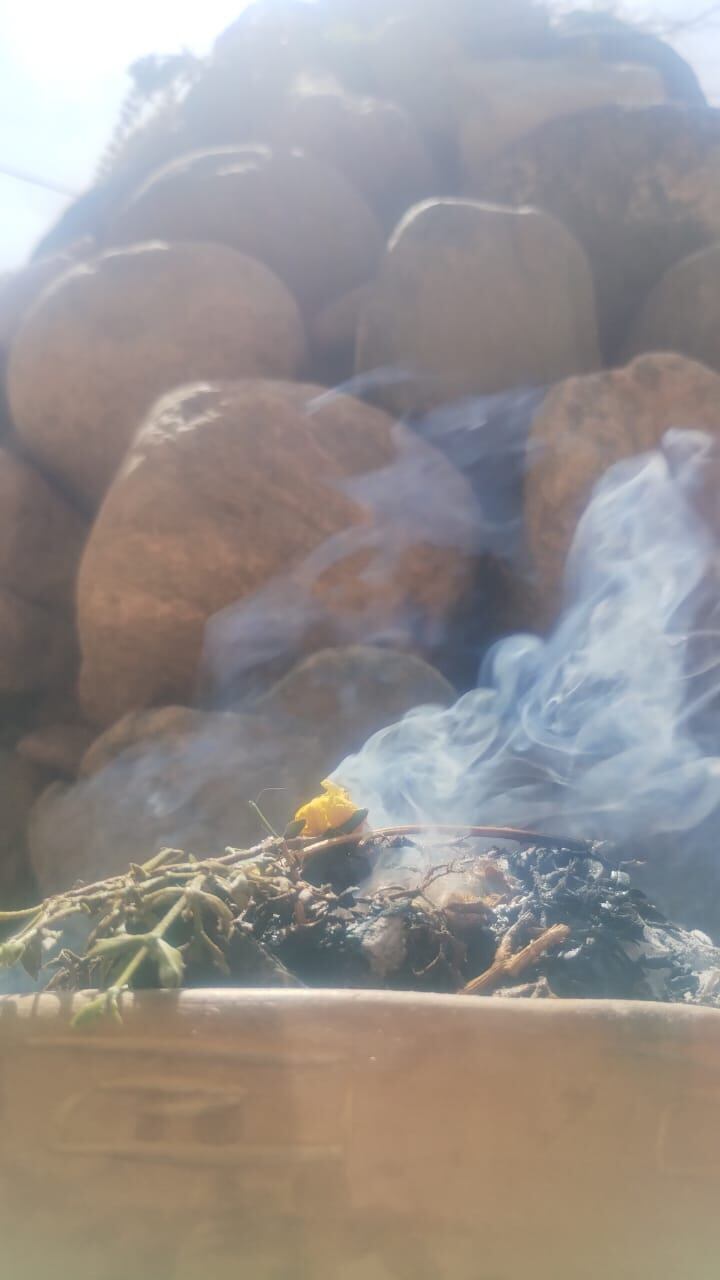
x=324, y=812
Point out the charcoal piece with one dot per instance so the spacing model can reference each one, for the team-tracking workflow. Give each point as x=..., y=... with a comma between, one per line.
x=620, y=946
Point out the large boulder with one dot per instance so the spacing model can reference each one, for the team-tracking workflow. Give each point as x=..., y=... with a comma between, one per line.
x=230, y=488
x=500, y=101
x=112, y=335
x=587, y=424
x=332, y=334
x=41, y=538
x=348, y=694
x=373, y=142
x=638, y=188
x=475, y=299
x=186, y=778
x=38, y=646
x=682, y=313
x=56, y=748
x=19, y=785
x=598, y=34
x=420, y=54
x=18, y=291
x=293, y=212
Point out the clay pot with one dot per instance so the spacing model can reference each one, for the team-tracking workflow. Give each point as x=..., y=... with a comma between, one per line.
x=359, y=1136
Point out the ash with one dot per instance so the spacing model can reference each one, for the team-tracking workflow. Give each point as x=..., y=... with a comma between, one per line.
x=550, y=920
x=620, y=946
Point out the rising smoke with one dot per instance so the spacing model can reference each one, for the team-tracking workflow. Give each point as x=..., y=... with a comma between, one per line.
x=610, y=727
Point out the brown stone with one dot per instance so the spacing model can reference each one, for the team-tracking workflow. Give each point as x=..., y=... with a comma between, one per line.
x=332, y=334
x=293, y=212
x=56, y=747
x=682, y=313
x=348, y=694
x=414, y=59
x=186, y=778
x=41, y=538
x=504, y=99
x=138, y=730
x=230, y=488
x=374, y=143
x=587, y=424
x=115, y=333
x=474, y=299
x=253, y=63
x=639, y=189
x=19, y=785
x=18, y=291
x=38, y=648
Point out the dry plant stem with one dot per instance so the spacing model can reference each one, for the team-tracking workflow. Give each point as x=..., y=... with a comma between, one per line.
x=506, y=965
x=6, y=916
x=424, y=828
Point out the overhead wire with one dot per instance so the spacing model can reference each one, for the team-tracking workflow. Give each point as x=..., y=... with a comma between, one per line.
x=49, y=184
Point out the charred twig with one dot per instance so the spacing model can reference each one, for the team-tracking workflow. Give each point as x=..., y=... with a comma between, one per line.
x=506, y=965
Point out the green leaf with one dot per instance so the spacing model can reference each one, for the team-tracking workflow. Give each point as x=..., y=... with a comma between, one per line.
x=103, y=1006
x=294, y=829
x=112, y=946
x=12, y=952
x=32, y=956
x=169, y=961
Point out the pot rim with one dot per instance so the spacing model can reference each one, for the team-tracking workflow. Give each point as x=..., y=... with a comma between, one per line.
x=219, y=1000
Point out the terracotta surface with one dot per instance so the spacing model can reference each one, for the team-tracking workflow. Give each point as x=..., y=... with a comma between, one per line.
x=359, y=1136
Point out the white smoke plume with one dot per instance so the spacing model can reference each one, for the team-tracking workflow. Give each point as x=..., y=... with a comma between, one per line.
x=610, y=727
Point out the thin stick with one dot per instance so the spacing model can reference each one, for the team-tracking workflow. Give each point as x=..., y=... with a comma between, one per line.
x=511, y=966
x=423, y=828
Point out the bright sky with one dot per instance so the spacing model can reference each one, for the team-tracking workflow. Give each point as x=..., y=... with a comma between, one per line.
x=62, y=77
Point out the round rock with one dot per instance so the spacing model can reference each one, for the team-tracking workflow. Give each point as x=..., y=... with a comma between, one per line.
x=18, y=291
x=37, y=645
x=230, y=489
x=58, y=748
x=351, y=692
x=475, y=299
x=504, y=99
x=639, y=189
x=112, y=335
x=374, y=143
x=587, y=424
x=41, y=538
x=293, y=212
x=682, y=313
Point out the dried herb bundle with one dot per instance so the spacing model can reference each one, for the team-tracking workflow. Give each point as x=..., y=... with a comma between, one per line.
x=363, y=909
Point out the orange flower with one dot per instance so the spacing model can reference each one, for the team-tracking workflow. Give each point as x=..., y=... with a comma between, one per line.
x=327, y=811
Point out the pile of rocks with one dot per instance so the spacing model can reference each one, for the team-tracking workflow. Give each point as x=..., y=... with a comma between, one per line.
x=217, y=575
